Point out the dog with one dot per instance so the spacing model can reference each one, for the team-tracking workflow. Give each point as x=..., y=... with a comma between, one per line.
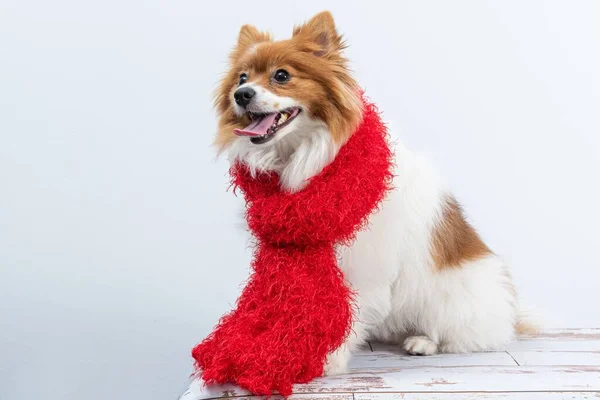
x=423, y=276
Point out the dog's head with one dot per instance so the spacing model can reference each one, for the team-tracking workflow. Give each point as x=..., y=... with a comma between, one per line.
x=284, y=97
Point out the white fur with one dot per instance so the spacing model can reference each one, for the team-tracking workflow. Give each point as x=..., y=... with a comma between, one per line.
x=264, y=101
x=400, y=293
x=298, y=151
x=420, y=346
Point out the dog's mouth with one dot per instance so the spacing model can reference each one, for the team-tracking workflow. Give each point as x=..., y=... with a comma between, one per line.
x=263, y=127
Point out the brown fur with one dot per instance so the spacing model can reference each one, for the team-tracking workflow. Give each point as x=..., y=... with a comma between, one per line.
x=526, y=328
x=320, y=79
x=454, y=240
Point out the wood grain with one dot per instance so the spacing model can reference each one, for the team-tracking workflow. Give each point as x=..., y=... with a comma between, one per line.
x=559, y=364
x=580, y=358
x=480, y=396
x=453, y=379
x=383, y=360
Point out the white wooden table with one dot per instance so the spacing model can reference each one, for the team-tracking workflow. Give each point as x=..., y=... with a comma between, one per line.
x=555, y=365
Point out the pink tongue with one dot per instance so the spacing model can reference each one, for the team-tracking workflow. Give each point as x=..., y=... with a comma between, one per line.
x=258, y=127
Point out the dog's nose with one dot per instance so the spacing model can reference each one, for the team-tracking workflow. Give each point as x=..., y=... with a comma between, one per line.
x=243, y=96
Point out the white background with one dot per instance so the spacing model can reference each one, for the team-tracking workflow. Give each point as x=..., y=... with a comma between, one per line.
x=119, y=246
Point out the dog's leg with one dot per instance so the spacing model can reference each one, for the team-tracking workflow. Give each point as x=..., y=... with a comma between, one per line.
x=373, y=305
x=471, y=308
x=337, y=362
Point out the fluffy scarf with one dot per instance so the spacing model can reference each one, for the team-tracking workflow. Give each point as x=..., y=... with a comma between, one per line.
x=296, y=307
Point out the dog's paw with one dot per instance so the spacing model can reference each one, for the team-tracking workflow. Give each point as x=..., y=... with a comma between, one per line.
x=337, y=363
x=420, y=346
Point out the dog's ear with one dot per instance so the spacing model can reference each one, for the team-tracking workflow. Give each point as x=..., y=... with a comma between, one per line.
x=320, y=30
x=249, y=36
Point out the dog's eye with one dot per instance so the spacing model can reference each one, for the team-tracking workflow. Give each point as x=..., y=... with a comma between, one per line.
x=243, y=79
x=281, y=76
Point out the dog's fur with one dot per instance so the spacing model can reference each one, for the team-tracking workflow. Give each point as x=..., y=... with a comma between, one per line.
x=422, y=274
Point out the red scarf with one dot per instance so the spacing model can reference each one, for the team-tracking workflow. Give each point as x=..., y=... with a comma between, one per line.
x=296, y=307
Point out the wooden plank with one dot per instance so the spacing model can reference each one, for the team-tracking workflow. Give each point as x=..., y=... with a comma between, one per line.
x=554, y=345
x=453, y=379
x=367, y=361
x=435, y=379
x=197, y=391
x=307, y=396
x=382, y=359
x=558, y=364
x=311, y=396
x=568, y=334
x=480, y=396
x=581, y=358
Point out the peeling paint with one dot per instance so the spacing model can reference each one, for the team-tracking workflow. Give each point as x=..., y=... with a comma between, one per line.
x=518, y=371
x=385, y=375
x=369, y=382
x=566, y=335
x=440, y=381
x=574, y=370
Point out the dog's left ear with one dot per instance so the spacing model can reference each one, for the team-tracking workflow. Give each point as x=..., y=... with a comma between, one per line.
x=320, y=30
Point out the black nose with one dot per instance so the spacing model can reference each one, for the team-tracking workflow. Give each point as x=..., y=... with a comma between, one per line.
x=243, y=96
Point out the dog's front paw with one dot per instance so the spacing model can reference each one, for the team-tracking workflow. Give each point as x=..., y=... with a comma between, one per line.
x=337, y=362
x=420, y=346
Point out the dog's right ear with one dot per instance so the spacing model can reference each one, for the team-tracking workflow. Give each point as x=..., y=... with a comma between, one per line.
x=320, y=30
x=249, y=36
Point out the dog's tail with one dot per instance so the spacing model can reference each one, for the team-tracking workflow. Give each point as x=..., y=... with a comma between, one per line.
x=526, y=324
